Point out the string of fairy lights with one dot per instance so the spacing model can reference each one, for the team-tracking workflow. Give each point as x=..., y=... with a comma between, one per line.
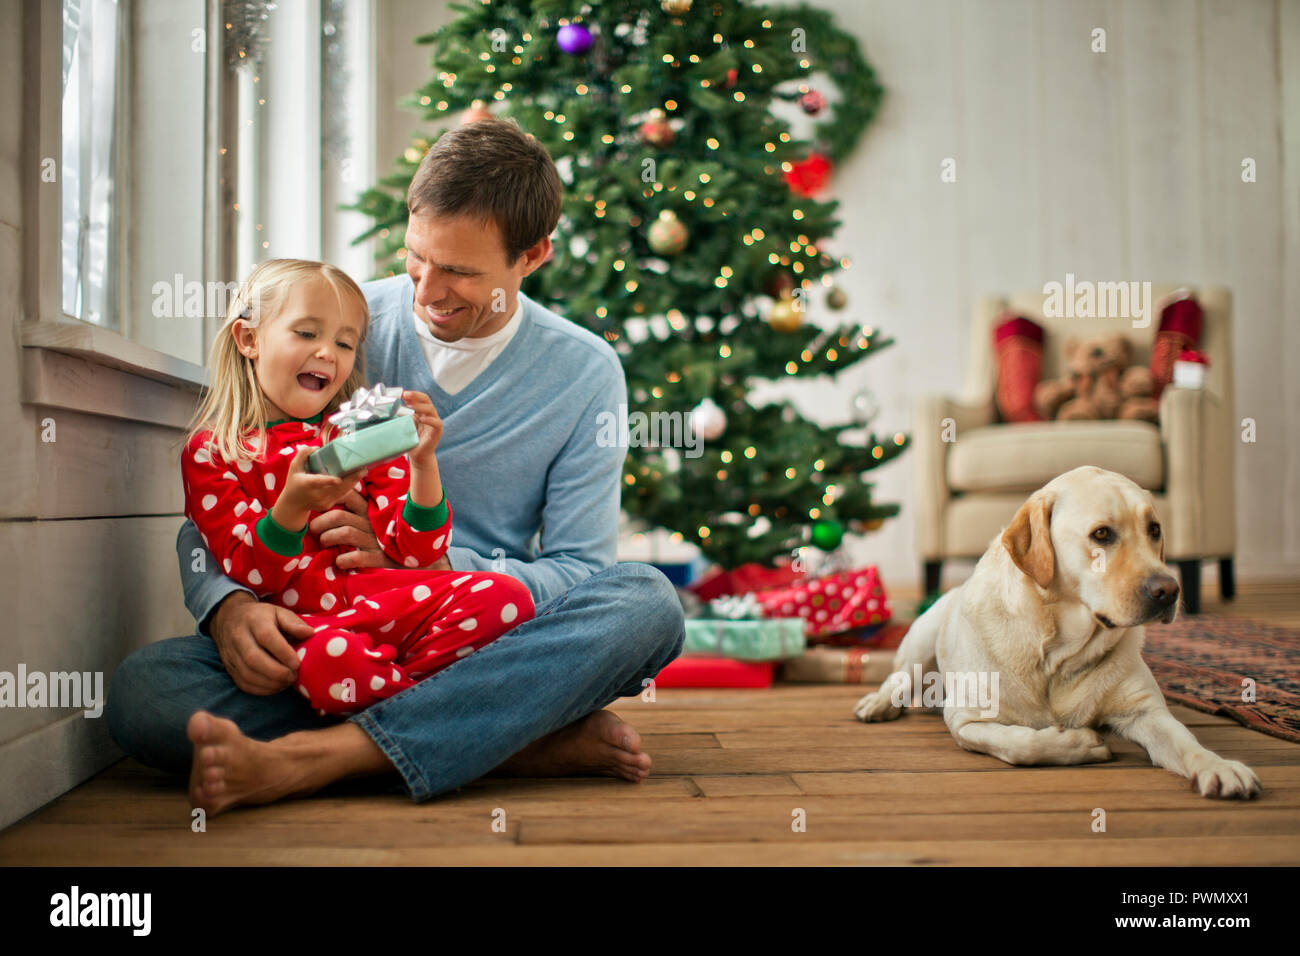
x=802, y=244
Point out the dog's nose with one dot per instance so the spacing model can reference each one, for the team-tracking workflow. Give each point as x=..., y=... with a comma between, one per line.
x=1162, y=589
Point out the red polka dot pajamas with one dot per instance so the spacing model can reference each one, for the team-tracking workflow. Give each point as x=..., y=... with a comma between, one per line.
x=378, y=630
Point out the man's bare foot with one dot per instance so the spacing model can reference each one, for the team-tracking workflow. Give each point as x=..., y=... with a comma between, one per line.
x=231, y=770
x=599, y=743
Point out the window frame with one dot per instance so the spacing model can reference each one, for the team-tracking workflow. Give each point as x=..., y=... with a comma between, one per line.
x=43, y=324
x=50, y=338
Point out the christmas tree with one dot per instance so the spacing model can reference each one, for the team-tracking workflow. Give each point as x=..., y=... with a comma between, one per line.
x=689, y=239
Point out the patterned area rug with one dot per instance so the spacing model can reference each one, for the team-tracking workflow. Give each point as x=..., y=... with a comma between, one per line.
x=1202, y=661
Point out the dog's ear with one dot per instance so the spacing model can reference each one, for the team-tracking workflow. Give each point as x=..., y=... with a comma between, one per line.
x=1028, y=539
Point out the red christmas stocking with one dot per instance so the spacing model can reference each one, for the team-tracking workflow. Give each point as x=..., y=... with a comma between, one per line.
x=1180, y=328
x=1019, y=343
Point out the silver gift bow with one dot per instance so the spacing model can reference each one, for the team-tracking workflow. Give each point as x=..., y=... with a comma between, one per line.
x=369, y=406
x=736, y=607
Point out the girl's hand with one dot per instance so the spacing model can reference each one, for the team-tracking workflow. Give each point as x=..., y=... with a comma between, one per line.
x=428, y=424
x=305, y=493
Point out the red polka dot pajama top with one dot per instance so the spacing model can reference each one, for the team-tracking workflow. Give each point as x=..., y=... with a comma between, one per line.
x=378, y=630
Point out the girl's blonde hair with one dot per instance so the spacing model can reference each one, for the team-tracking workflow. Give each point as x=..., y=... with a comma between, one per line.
x=233, y=407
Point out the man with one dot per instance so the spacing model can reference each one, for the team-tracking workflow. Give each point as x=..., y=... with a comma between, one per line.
x=522, y=393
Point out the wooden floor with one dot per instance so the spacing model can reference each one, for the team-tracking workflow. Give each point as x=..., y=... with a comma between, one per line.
x=732, y=772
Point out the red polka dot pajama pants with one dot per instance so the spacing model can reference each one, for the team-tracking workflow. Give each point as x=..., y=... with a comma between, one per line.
x=401, y=626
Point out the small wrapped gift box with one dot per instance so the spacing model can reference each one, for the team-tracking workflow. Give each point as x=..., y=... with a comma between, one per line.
x=847, y=665
x=745, y=579
x=830, y=605
x=364, y=447
x=715, y=672
x=839, y=665
x=1189, y=369
x=763, y=640
x=375, y=427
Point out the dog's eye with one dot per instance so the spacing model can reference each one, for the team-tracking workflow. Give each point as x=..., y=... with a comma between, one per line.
x=1102, y=535
x=1154, y=531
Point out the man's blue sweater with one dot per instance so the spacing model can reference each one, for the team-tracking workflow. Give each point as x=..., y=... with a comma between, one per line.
x=534, y=491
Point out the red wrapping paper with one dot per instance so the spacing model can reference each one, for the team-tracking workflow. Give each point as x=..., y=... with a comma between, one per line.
x=745, y=579
x=847, y=601
x=715, y=672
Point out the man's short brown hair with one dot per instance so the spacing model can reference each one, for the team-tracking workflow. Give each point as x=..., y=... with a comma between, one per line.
x=491, y=169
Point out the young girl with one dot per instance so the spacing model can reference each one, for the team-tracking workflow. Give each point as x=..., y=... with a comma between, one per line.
x=288, y=354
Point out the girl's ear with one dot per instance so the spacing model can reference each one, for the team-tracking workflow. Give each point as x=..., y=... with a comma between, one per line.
x=245, y=338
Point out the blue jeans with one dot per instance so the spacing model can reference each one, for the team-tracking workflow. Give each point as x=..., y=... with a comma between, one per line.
x=585, y=648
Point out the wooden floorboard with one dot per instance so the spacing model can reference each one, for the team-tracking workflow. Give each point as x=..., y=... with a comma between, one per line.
x=733, y=772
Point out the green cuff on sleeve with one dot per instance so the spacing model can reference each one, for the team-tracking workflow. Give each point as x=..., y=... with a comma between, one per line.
x=280, y=540
x=426, y=519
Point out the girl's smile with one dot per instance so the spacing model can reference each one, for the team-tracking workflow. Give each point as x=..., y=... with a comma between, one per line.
x=315, y=381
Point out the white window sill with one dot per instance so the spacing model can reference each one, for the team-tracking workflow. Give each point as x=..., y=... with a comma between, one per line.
x=83, y=368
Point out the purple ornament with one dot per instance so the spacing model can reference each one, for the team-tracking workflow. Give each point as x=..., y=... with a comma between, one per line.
x=574, y=38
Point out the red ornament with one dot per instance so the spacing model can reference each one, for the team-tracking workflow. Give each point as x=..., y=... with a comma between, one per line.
x=656, y=130
x=812, y=102
x=733, y=75
x=809, y=176
x=778, y=284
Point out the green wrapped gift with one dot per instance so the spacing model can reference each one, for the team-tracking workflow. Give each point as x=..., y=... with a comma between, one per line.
x=364, y=447
x=768, y=639
x=376, y=427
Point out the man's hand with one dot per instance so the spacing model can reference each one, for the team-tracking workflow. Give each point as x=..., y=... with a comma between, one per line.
x=351, y=528
x=250, y=637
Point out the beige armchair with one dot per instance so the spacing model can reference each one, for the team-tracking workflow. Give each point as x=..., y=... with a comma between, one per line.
x=973, y=472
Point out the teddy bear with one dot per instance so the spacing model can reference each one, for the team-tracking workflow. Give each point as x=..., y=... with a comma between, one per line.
x=1101, y=383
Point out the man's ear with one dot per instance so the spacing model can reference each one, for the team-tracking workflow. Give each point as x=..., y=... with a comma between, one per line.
x=1028, y=539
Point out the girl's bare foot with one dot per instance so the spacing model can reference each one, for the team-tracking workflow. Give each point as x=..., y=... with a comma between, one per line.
x=231, y=770
x=599, y=743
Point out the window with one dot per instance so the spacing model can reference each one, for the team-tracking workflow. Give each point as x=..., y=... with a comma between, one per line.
x=90, y=88
x=182, y=163
x=302, y=132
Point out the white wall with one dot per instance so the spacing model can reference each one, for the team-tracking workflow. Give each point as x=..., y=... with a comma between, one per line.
x=401, y=67
x=1117, y=165
x=93, y=499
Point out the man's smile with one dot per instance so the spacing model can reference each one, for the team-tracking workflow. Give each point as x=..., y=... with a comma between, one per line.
x=439, y=316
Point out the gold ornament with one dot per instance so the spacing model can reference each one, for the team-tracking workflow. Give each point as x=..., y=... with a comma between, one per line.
x=676, y=8
x=784, y=317
x=863, y=527
x=668, y=235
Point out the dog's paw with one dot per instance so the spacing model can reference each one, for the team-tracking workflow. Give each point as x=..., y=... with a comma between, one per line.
x=1084, y=745
x=1227, y=779
x=876, y=706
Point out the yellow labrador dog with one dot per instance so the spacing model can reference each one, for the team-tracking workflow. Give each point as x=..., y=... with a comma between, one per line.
x=1051, y=621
